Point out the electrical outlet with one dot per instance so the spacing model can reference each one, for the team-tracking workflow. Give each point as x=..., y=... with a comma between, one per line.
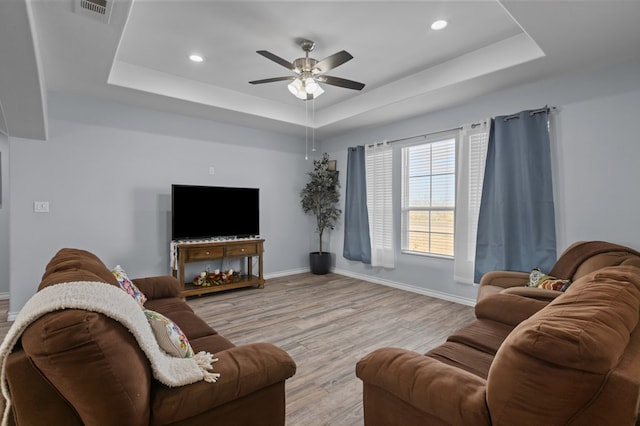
x=41, y=206
x=212, y=170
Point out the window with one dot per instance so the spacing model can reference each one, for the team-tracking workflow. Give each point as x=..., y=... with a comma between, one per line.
x=441, y=187
x=428, y=197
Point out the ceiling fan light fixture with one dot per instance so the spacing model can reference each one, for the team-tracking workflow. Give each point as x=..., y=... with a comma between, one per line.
x=310, y=86
x=295, y=86
x=319, y=91
x=297, y=89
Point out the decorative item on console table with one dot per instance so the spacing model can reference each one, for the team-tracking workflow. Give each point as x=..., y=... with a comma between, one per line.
x=217, y=277
x=184, y=252
x=320, y=198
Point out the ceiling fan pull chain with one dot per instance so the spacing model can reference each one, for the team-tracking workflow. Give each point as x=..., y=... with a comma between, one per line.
x=306, y=131
x=313, y=129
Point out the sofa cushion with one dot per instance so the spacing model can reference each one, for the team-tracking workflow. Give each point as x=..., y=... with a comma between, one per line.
x=557, y=361
x=602, y=260
x=71, y=264
x=201, y=336
x=158, y=287
x=510, y=309
x=464, y=357
x=169, y=336
x=483, y=334
x=585, y=257
x=178, y=311
x=212, y=343
x=69, y=275
x=130, y=288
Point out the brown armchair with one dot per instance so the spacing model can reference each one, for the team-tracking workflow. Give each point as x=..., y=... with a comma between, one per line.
x=577, y=260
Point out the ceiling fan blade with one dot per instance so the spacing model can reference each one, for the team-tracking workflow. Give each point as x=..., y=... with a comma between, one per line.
x=340, y=82
x=333, y=61
x=271, y=80
x=275, y=58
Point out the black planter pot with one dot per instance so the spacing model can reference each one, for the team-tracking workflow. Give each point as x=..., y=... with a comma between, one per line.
x=319, y=262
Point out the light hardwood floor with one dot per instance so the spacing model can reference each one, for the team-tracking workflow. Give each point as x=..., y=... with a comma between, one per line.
x=326, y=323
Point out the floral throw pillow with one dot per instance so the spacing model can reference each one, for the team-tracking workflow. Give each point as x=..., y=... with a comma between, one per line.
x=128, y=286
x=169, y=336
x=542, y=280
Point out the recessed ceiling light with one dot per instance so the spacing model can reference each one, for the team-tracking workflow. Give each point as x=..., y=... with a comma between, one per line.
x=438, y=25
x=196, y=58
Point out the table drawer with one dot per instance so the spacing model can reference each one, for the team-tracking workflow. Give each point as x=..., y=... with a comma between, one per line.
x=242, y=250
x=202, y=253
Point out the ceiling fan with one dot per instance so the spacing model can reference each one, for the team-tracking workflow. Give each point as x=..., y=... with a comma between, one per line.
x=308, y=72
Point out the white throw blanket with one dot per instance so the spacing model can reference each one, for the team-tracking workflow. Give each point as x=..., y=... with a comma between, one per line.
x=118, y=305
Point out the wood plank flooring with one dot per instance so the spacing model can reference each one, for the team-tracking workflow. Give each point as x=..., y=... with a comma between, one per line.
x=326, y=323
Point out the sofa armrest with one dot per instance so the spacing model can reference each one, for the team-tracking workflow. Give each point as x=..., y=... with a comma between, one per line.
x=507, y=308
x=250, y=367
x=244, y=370
x=533, y=293
x=158, y=287
x=448, y=393
x=505, y=279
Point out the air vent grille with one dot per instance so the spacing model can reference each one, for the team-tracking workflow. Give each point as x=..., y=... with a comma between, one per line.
x=96, y=9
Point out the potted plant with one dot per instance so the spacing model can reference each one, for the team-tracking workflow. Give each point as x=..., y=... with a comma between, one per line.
x=320, y=198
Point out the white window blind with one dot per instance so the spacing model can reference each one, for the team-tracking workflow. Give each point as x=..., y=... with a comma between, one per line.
x=471, y=158
x=378, y=164
x=428, y=197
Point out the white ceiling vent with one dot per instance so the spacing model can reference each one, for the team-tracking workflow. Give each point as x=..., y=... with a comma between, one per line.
x=96, y=9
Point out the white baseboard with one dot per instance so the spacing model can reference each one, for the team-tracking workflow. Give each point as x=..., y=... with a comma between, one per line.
x=407, y=287
x=11, y=316
x=285, y=273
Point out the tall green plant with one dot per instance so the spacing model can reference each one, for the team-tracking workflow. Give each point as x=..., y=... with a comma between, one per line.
x=321, y=195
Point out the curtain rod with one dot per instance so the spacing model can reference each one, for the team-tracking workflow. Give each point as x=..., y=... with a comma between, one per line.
x=545, y=108
x=425, y=135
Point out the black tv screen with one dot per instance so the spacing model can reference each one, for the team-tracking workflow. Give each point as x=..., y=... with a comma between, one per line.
x=214, y=211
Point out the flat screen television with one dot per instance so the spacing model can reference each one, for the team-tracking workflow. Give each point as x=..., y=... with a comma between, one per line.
x=200, y=212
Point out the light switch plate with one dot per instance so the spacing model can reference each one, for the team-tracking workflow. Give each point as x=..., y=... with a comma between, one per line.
x=41, y=206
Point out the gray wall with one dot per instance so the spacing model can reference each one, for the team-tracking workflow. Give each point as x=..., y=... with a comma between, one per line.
x=595, y=150
x=4, y=217
x=107, y=169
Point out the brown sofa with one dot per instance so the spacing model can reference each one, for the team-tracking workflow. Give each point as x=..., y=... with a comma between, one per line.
x=567, y=359
x=75, y=367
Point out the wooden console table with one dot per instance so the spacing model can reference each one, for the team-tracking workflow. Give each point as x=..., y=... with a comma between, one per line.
x=202, y=251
